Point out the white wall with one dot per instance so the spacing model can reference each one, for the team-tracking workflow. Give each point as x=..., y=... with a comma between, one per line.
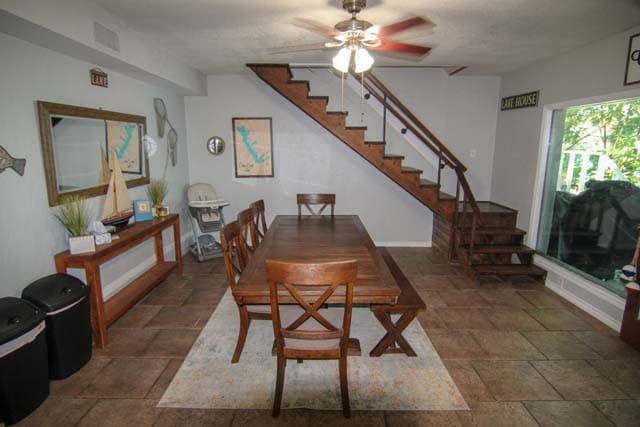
x=308, y=158
x=29, y=233
x=594, y=70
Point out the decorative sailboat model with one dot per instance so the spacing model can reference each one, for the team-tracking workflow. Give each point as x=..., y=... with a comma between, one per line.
x=117, y=207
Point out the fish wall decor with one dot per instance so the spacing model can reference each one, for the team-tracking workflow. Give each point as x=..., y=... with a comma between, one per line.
x=6, y=161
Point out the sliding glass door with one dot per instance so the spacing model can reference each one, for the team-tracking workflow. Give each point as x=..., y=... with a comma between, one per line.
x=591, y=201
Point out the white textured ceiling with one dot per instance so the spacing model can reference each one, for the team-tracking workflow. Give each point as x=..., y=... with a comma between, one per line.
x=489, y=36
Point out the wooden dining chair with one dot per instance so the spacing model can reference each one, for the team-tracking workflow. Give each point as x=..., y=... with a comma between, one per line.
x=308, y=200
x=304, y=330
x=259, y=218
x=235, y=255
x=246, y=219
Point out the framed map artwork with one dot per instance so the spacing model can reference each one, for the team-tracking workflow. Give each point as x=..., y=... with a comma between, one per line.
x=253, y=147
x=123, y=139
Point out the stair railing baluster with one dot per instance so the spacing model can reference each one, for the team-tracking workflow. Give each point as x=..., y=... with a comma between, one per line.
x=440, y=166
x=384, y=120
x=454, y=224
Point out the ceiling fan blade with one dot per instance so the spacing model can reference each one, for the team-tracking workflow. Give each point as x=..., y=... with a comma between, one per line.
x=316, y=27
x=404, y=48
x=397, y=27
x=296, y=48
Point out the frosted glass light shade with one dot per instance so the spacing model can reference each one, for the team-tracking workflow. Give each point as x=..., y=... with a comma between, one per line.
x=341, y=60
x=363, y=60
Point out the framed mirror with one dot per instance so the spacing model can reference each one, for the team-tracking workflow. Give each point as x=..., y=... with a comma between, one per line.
x=80, y=144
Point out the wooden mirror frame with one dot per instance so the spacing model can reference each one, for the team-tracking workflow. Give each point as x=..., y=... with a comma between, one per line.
x=45, y=111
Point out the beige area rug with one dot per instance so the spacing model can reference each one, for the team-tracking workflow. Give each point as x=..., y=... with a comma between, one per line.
x=207, y=379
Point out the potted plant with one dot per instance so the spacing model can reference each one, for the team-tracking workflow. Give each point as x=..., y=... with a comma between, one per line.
x=72, y=214
x=157, y=192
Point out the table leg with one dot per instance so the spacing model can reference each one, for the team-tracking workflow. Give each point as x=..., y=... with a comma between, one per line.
x=177, y=245
x=61, y=266
x=159, y=248
x=97, y=304
x=394, y=333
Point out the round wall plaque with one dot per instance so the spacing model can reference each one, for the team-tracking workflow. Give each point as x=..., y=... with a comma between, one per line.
x=215, y=145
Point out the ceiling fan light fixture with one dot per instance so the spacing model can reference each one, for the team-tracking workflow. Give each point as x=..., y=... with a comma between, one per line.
x=342, y=59
x=363, y=60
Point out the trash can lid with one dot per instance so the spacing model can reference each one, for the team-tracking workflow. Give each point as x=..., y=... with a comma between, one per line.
x=56, y=291
x=17, y=317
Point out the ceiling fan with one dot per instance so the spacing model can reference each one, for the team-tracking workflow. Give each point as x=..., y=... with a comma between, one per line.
x=355, y=37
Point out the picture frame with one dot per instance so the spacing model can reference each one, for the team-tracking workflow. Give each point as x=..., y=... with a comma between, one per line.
x=253, y=147
x=142, y=210
x=125, y=138
x=632, y=72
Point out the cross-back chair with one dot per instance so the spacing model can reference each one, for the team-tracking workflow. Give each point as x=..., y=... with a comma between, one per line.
x=259, y=218
x=305, y=330
x=307, y=200
x=247, y=223
x=234, y=251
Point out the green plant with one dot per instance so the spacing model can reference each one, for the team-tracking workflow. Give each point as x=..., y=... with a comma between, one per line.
x=73, y=215
x=157, y=191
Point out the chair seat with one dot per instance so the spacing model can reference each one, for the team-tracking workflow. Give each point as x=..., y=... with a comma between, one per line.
x=259, y=308
x=290, y=313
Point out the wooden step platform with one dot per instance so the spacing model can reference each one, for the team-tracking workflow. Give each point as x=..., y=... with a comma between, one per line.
x=504, y=270
x=499, y=249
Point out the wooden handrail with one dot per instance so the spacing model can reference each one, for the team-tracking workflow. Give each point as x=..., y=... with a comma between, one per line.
x=434, y=139
x=375, y=87
x=406, y=123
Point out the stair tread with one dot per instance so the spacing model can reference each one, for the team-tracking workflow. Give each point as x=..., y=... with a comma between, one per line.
x=344, y=113
x=375, y=142
x=427, y=183
x=409, y=169
x=500, y=249
x=356, y=127
x=495, y=230
x=326, y=98
x=445, y=196
x=508, y=269
x=393, y=156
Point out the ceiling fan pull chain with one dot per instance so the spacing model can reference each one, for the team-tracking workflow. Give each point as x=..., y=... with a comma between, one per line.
x=342, y=93
x=362, y=97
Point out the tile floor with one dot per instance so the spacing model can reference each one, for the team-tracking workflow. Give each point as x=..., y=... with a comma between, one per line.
x=519, y=354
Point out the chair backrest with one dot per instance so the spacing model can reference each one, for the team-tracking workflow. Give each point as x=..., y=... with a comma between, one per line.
x=234, y=250
x=259, y=218
x=316, y=199
x=296, y=278
x=248, y=228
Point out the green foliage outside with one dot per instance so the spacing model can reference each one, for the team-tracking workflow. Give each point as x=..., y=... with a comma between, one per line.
x=612, y=129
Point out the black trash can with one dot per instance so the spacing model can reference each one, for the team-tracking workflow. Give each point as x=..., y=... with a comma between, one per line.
x=65, y=301
x=24, y=374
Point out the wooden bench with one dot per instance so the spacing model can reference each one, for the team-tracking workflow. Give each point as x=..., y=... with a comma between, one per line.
x=408, y=305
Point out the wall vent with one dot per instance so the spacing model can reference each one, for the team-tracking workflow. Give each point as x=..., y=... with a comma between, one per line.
x=104, y=36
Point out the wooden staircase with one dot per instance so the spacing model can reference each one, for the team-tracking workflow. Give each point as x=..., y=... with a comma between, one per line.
x=484, y=241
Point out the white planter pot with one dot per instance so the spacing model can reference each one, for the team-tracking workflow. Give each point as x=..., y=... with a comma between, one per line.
x=82, y=244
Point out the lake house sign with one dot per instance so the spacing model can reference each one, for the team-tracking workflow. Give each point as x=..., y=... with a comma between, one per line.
x=520, y=101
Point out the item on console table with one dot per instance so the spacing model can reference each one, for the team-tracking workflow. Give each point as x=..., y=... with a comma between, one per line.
x=72, y=214
x=158, y=191
x=100, y=233
x=117, y=206
x=162, y=211
x=142, y=210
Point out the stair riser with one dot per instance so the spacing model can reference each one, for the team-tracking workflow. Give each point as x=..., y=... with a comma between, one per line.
x=492, y=219
x=464, y=238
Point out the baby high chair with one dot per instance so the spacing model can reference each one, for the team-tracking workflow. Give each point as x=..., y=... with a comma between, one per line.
x=206, y=218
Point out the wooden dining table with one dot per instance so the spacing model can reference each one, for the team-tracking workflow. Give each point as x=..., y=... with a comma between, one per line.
x=319, y=239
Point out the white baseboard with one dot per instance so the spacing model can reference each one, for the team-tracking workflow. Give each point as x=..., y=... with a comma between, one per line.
x=404, y=244
x=129, y=276
x=595, y=300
